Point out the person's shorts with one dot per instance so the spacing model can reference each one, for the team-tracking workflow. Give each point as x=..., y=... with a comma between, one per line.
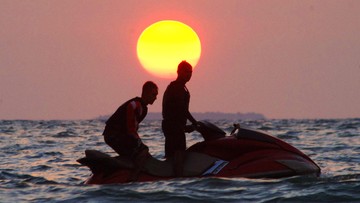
x=124, y=145
x=175, y=139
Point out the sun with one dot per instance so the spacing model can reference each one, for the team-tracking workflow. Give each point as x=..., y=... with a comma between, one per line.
x=164, y=44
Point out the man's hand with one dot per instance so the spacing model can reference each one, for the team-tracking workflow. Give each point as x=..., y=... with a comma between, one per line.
x=189, y=128
x=192, y=127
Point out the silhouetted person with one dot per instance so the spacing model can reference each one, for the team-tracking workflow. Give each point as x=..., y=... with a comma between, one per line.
x=121, y=128
x=175, y=111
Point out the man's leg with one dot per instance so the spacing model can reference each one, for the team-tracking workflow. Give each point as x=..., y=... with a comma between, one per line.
x=179, y=158
x=140, y=159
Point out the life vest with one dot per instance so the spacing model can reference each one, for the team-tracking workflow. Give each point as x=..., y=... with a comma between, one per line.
x=117, y=123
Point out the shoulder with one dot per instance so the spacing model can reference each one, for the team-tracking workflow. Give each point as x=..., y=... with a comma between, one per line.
x=175, y=86
x=134, y=103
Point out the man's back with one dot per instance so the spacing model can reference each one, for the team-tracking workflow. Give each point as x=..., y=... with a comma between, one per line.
x=175, y=102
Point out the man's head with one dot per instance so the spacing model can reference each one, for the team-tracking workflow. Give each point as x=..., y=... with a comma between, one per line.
x=184, y=71
x=149, y=92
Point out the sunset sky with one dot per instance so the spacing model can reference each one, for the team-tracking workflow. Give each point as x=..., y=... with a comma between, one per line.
x=281, y=58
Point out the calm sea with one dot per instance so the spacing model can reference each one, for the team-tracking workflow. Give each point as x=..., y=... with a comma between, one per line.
x=38, y=164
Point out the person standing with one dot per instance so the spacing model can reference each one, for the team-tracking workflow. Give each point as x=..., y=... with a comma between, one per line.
x=175, y=112
x=121, y=128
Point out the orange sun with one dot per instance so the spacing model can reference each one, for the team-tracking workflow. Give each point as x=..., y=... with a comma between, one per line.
x=164, y=44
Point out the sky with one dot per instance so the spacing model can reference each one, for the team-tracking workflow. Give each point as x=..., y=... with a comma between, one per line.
x=284, y=59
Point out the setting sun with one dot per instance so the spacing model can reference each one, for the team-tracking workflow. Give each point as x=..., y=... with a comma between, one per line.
x=164, y=44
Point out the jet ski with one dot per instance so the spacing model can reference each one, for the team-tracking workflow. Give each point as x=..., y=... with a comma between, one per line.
x=246, y=152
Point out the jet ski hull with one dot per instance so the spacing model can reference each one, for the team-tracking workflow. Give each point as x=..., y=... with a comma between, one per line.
x=248, y=153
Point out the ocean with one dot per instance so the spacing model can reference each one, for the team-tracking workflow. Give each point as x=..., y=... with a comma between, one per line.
x=38, y=164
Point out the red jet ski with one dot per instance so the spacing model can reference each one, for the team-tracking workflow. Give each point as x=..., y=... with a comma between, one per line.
x=244, y=153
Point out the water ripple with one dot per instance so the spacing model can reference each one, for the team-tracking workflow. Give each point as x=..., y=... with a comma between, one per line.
x=38, y=164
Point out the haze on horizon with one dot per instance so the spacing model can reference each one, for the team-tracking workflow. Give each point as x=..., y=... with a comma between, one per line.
x=281, y=58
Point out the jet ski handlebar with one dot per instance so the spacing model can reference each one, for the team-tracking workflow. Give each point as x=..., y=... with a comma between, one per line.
x=209, y=131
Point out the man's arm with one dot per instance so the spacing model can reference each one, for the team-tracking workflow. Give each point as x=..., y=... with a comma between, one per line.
x=131, y=122
x=190, y=117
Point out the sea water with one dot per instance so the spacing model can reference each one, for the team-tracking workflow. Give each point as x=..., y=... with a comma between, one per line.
x=38, y=164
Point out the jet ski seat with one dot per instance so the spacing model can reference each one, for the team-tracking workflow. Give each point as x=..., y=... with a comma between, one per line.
x=195, y=164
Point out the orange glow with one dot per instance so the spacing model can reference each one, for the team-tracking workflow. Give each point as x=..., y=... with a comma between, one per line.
x=164, y=44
